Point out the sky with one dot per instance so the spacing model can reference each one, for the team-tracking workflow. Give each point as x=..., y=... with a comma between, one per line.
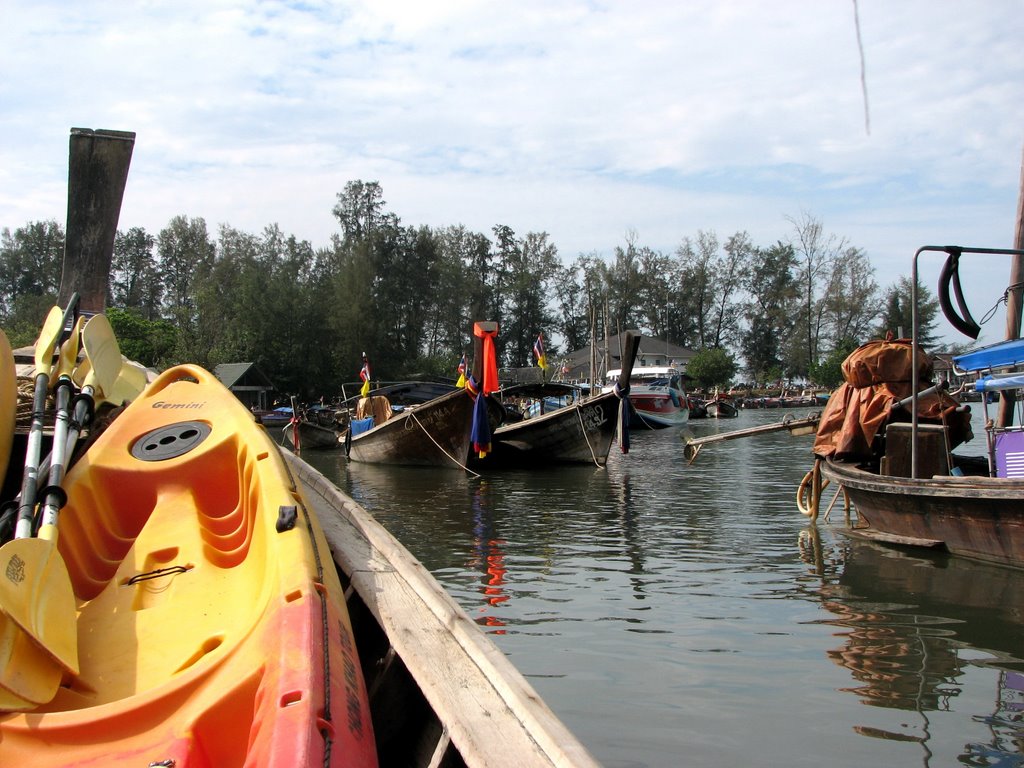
x=597, y=122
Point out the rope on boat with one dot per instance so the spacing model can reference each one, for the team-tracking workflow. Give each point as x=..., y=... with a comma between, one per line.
x=846, y=502
x=593, y=454
x=412, y=415
x=808, y=494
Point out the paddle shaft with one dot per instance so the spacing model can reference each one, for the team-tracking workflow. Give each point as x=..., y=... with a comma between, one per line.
x=30, y=478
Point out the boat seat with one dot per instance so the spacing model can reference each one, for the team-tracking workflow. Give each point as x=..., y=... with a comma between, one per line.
x=932, y=456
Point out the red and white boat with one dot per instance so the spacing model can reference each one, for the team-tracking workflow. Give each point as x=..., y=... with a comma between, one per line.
x=657, y=396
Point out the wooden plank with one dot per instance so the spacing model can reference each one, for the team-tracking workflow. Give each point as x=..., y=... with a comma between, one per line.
x=797, y=427
x=493, y=715
x=892, y=538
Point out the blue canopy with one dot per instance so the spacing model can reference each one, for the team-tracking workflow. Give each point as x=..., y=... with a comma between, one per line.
x=1001, y=355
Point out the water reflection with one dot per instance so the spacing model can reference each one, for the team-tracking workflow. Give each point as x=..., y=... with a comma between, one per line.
x=914, y=626
x=489, y=557
x=656, y=605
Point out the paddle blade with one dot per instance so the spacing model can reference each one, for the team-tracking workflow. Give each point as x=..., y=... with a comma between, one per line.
x=28, y=675
x=102, y=352
x=69, y=351
x=49, y=335
x=36, y=594
x=131, y=380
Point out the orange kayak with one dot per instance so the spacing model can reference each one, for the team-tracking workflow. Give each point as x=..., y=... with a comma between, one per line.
x=211, y=627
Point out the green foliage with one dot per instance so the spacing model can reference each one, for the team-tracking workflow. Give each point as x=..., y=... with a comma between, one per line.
x=149, y=342
x=408, y=296
x=712, y=368
x=897, y=317
x=828, y=372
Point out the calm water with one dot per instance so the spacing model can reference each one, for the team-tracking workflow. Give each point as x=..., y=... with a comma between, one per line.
x=686, y=615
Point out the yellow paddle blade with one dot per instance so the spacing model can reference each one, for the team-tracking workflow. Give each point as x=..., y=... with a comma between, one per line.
x=131, y=380
x=28, y=675
x=69, y=352
x=36, y=593
x=49, y=335
x=102, y=352
x=81, y=373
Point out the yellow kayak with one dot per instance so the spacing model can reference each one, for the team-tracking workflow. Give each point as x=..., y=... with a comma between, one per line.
x=211, y=627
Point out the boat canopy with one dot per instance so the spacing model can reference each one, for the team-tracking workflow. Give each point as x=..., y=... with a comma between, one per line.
x=1001, y=355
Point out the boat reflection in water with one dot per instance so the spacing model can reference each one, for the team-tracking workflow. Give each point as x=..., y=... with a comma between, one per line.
x=488, y=556
x=914, y=626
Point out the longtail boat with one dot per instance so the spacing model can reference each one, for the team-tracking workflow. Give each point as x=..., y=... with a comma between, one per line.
x=302, y=433
x=579, y=433
x=889, y=444
x=437, y=433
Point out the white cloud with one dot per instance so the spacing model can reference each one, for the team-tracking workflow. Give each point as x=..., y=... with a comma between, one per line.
x=584, y=119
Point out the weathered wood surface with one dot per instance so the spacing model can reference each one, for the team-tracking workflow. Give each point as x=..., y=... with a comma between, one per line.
x=433, y=434
x=97, y=174
x=492, y=715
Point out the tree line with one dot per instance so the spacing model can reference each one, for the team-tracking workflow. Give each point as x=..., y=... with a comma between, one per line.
x=407, y=296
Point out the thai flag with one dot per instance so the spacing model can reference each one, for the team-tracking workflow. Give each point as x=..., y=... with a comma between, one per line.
x=538, y=351
x=364, y=374
x=462, y=373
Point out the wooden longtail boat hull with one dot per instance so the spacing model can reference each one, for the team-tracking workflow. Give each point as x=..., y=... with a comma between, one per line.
x=311, y=436
x=441, y=693
x=978, y=517
x=211, y=627
x=581, y=433
x=721, y=409
x=436, y=433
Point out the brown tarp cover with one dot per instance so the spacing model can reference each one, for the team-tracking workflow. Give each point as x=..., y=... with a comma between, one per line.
x=377, y=406
x=878, y=374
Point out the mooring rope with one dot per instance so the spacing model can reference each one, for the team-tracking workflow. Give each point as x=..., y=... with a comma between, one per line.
x=458, y=463
x=593, y=454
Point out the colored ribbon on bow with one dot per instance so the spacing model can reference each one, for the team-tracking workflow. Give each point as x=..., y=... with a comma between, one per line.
x=481, y=431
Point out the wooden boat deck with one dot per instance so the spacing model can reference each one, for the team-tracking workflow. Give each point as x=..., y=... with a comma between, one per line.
x=442, y=693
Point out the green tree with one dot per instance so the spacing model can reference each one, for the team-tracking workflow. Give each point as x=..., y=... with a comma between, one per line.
x=31, y=259
x=897, y=315
x=712, y=368
x=828, y=372
x=150, y=342
x=772, y=286
x=526, y=268
x=186, y=255
x=134, y=278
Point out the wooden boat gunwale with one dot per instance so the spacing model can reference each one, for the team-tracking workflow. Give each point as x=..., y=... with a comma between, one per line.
x=970, y=516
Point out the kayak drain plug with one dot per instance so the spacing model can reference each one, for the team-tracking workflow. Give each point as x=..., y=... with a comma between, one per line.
x=171, y=441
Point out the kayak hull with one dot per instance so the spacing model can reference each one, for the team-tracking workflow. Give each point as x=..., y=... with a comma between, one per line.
x=211, y=625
